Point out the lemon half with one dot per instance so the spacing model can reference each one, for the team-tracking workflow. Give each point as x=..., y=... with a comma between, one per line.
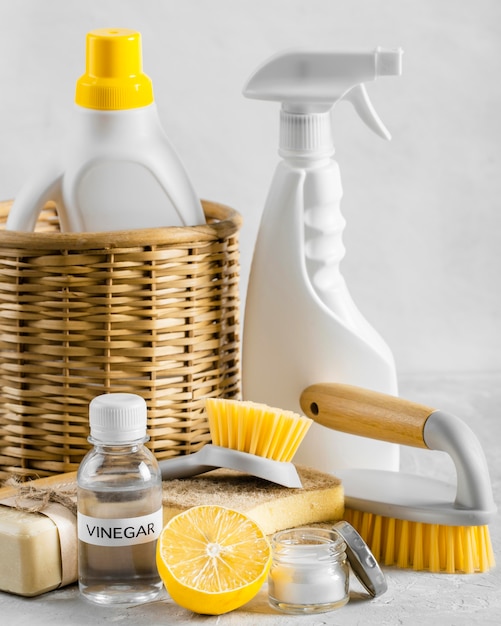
x=212, y=559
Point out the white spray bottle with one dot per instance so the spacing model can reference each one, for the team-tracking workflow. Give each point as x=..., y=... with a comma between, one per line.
x=301, y=325
x=116, y=168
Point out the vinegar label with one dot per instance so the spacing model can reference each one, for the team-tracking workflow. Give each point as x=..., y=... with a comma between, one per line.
x=119, y=532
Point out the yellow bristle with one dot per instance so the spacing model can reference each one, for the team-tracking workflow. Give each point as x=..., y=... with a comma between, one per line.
x=290, y=427
x=256, y=428
x=376, y=539
x=268, y=436
x=271, y=440
x=403, y=544
x=466, y=557
x=487, y=554
x=256, y=433
x=241, y=430
x=417, y=547
x=432, y=547
x=366, y=525
x=449, y=562
x=351, y=515
x=389, y=553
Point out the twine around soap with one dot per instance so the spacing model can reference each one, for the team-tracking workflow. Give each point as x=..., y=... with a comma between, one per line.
x=32, y=499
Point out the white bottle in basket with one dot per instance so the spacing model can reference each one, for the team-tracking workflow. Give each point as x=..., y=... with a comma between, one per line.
x=301, y=325
x=117, y=169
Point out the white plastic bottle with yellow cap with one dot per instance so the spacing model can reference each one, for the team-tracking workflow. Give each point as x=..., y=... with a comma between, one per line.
x=117, y=169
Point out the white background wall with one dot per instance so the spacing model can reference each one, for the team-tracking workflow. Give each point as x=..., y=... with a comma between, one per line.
x=423, y=211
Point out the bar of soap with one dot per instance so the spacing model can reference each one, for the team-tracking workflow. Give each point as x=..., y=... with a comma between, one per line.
x=29, y=545
x=30, y=549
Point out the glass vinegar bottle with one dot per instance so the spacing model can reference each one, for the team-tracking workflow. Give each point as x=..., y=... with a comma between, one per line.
x=119, y=505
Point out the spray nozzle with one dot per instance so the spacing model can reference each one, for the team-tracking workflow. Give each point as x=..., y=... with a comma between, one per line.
x=311, y=83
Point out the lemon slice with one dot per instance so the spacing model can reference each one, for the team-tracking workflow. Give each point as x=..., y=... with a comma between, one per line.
x=212, y=559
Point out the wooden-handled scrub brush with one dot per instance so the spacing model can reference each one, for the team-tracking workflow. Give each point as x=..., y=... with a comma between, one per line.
x=248, y=437
x=408, y=520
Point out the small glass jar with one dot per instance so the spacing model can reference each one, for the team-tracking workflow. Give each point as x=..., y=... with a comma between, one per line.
x=309, y=572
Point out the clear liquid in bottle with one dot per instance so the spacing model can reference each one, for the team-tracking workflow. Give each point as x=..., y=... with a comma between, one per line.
x=119, y=518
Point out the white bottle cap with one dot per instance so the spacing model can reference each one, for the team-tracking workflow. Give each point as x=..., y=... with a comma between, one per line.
x=117, y=418
x=305, y=134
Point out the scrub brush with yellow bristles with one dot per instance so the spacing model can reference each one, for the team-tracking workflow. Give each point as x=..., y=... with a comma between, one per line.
x=246, y=436
x=408, y=520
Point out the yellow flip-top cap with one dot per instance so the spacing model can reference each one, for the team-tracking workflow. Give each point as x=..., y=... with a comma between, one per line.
x=114, y=77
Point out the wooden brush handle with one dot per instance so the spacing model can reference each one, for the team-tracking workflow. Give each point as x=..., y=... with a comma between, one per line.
x=366, y=413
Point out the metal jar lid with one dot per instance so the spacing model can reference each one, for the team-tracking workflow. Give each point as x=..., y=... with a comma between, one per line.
x=361, y=559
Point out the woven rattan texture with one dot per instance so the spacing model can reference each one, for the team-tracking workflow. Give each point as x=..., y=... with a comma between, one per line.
x=153, y=312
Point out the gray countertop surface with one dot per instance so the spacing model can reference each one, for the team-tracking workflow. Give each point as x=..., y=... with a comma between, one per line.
x=412, y=597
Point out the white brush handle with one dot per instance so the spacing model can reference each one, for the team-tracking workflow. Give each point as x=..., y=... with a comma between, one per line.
x=212, y=457
x=379, y=416
x=185, y=465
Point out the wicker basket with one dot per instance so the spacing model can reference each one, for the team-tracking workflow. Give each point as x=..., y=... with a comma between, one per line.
x=88, y=313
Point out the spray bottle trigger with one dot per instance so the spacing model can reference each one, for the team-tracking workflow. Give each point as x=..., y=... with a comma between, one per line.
x=358, y=96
